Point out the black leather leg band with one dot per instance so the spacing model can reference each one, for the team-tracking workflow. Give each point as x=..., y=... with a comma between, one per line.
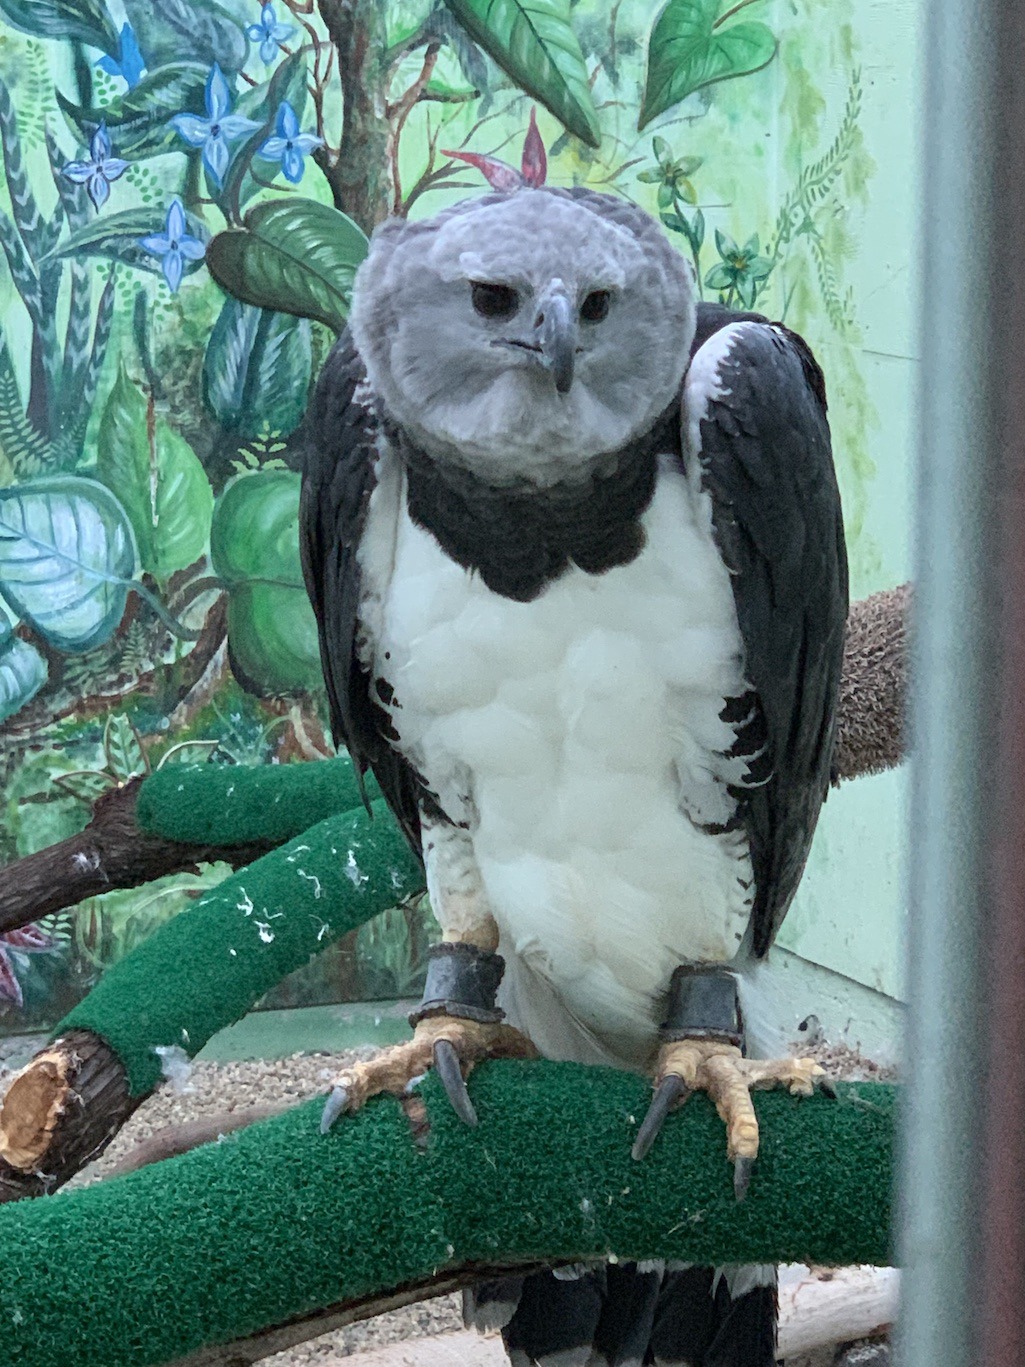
x=703, y=1004
x=462, y=981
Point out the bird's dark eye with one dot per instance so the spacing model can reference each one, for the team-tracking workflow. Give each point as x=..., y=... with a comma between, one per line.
x=494, y=301
x=596, y=306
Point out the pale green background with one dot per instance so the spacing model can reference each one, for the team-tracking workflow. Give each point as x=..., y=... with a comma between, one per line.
x=850, y=912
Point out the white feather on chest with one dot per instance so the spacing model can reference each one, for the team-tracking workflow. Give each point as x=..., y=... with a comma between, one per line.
x=579, y=736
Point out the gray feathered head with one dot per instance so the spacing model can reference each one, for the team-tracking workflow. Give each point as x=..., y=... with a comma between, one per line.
x=523, y=334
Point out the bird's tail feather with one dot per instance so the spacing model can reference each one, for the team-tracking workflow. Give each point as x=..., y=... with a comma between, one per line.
x=633, y=1315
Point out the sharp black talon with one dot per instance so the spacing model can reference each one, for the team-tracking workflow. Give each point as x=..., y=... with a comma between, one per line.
x=742, y=1169
x=667, y=1093
x=333, y=1108
x=827, y=1089
x=446, y=1065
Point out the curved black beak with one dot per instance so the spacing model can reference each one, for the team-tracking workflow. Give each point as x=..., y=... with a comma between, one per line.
x=555, y=329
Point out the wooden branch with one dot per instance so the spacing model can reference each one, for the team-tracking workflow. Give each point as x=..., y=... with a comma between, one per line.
x=243, y=1352
x=172, y=1140
x=822, y=1306
x=110, y=853
x=60, y=1113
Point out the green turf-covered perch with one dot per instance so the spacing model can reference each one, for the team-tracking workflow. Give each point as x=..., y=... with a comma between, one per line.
x=207, y=967
x=227, y=804
x=277, y=1219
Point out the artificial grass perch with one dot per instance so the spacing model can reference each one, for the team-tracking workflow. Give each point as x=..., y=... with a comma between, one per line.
x=266, y=1226
x=215, y=1229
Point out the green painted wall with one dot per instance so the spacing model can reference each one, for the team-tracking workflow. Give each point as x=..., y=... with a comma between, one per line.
x=850, y=911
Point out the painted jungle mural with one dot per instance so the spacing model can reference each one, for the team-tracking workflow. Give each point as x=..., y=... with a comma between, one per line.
x=188, y=188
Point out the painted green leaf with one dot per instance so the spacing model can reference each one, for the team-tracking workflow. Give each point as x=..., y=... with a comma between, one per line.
x=189, y=752
x=123, y=748
x=292, y=255
x=139, y=120
x=226, y=360
x=87, y=20
x=534, y=44
x=255, y=532
x=256, y=370
x=200, y=31
x=272, y=633
x=84, y=784
x=67, y=556
x=22, y=674
x=260, y=102
x=448, y=80
x=115, y=237
x=164, y=488
x=687, y=52
x=272, y=639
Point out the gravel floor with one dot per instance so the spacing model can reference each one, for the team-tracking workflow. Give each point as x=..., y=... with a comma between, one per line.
x=213, y=1089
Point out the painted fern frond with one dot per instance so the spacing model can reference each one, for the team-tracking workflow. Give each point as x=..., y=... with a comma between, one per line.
x=838, y=310
x=36, y=103
x=816, y=181
x=27, y=451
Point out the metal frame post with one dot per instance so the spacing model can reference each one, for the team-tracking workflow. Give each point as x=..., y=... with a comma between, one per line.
x=961, y=1237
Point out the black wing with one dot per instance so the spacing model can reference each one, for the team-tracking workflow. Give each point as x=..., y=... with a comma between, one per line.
x=767, y=464
x=340, y=435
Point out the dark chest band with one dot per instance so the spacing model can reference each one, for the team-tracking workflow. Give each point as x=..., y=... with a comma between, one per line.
x=521, y=538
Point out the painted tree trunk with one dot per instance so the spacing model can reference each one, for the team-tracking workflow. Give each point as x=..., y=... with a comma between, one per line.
x=359, y=178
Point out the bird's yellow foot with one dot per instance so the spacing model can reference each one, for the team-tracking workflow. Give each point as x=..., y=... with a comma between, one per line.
x=718, y=1068
x=452, y=1046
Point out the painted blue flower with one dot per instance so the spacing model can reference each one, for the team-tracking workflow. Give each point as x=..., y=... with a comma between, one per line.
x=269, y=33
x=100, y=171
x=131, y=64
x=288, y=146
x=218, y=128
x=175, y=245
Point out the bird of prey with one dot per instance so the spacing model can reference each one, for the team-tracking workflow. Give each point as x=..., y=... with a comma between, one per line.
x=575, y=548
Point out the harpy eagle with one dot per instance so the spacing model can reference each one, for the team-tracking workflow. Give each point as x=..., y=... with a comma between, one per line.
x=575, y=548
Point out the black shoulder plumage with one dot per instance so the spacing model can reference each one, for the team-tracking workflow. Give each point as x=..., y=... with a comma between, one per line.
x=340, y=435
x=767, y=464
